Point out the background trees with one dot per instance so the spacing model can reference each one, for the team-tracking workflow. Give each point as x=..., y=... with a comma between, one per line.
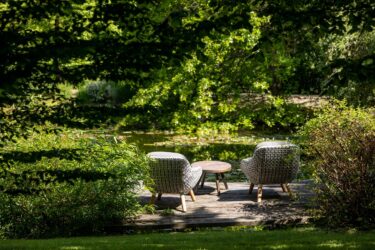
x=185, y=63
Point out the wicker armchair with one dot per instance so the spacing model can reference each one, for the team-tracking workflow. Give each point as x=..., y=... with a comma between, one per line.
x=272, y=163
x=172, y=173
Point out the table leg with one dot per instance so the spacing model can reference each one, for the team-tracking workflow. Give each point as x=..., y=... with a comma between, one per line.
x=203, y=178
x=217, y=183
x=225, y=182
x=251, y=188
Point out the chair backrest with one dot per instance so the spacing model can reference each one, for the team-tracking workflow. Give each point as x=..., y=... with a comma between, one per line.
x=169, y=171
x=275, y=162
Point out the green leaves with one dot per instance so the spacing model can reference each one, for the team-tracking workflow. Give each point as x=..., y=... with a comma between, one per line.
x=66, y=184
x=340, y=142
x=203, y=84
x=188, y=61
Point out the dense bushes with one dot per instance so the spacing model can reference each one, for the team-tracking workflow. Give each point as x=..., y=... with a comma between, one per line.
x=64, y=185
x=341, y=141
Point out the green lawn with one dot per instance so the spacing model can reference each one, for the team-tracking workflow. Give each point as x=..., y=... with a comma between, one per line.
x=303, y=238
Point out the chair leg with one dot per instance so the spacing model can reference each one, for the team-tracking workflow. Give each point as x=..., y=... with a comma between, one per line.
x=251, y=188
x=283, y=188
x=191, y=192
x=152, y=200
x=183, y=202
x=286, y=186
x=159, y=196
x=260, y=190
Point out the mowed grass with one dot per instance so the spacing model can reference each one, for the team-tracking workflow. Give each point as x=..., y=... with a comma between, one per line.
x=299, y=238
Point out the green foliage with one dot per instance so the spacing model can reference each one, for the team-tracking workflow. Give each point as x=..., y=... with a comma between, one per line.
x=184, y=63
x=29, y=106
x=352, y=59
x=277, y=112
x=54, y=185
x=67, y=90
x=68, y=41
x=332, y=53
x=253, y=111
x=341, y=142
x=209, y=91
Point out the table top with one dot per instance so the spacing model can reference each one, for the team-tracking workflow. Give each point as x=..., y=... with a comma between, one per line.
x=213, y=166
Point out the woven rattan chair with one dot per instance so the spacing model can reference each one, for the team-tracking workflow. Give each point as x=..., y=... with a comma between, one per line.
x=172, y=173
x=272, y=163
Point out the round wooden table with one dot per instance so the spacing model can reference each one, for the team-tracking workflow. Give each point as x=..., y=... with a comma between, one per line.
x=214, y=167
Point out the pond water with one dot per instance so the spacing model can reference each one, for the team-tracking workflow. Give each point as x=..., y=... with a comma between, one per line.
x=229, y=148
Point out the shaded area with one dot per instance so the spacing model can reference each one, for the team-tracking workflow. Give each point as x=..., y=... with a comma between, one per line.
x=32, y=181
x=36, y=171
x=35, y=181
x=33, y=156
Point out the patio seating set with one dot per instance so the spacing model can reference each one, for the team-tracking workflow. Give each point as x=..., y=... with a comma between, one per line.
x=273, y=162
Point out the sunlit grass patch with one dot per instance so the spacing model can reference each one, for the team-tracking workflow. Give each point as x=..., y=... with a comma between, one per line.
x=294, y=238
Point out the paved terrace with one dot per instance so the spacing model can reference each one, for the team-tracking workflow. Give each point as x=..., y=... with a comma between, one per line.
x=233, y=207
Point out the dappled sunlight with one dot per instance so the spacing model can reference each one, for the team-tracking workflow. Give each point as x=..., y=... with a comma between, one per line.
x=153, y=246
x=305, y=229
x=332, y=244
x=74, y=248
x=232, y=207
x=281, y=246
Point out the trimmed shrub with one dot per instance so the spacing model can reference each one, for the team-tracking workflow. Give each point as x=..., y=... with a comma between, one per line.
x=62, y=185
x=341, y=142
